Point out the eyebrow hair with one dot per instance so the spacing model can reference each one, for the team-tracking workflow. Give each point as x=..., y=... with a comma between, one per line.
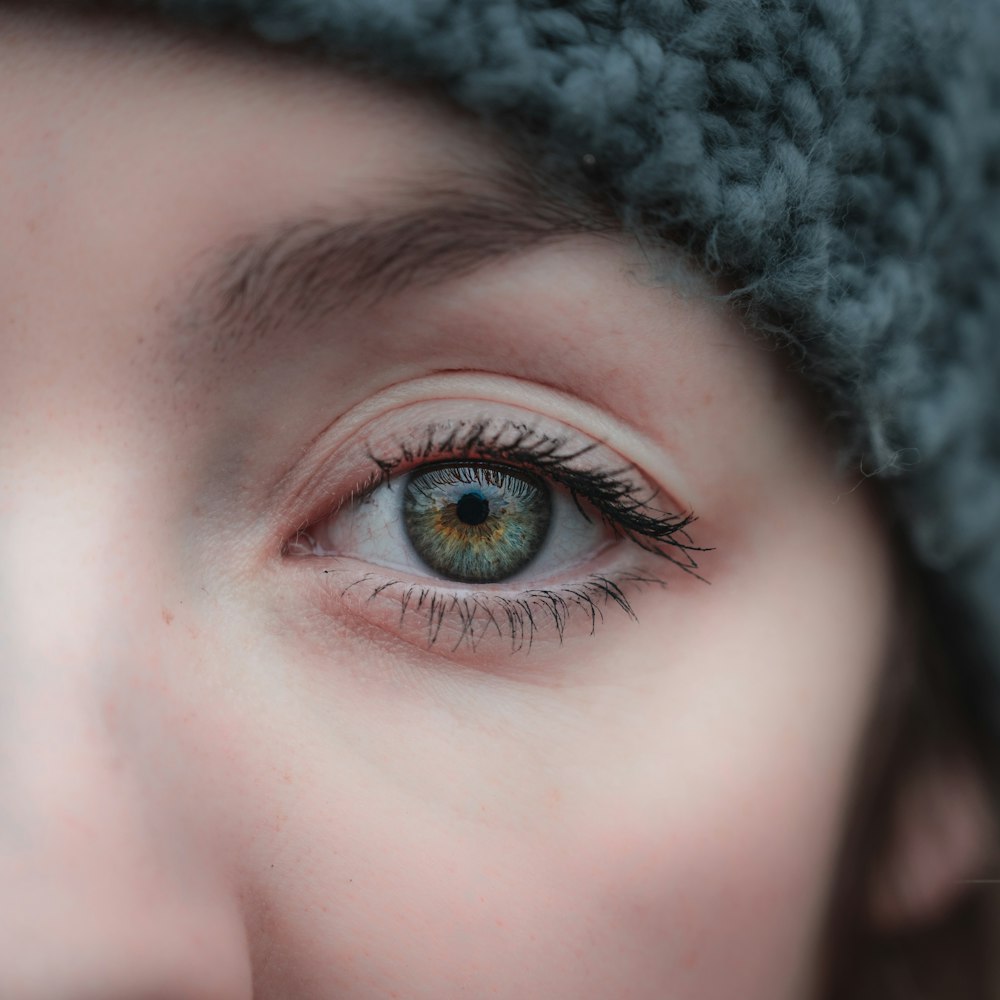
x=324, y=262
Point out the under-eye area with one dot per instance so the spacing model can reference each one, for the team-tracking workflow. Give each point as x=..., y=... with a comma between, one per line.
x=471, y=618
x=492, y=528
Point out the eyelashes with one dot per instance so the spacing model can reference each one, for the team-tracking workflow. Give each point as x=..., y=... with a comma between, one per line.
x=620, y=503
x=605, y=516
x=474, y=617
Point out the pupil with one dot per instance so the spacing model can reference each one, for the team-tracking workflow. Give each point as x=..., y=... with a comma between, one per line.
x=472, y=509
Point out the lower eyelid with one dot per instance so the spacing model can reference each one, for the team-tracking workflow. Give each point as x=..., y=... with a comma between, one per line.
x=472, y=623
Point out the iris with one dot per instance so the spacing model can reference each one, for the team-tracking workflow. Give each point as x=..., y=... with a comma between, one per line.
x=476, y=522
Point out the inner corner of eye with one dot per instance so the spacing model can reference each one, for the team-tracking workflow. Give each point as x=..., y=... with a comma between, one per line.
x=300, y=544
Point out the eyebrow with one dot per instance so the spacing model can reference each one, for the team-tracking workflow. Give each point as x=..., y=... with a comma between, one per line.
x=323, y=262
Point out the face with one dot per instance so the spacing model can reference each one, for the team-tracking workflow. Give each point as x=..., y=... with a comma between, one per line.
x=356, y=637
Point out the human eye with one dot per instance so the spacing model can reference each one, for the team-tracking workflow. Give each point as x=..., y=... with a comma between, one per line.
x=473, y=524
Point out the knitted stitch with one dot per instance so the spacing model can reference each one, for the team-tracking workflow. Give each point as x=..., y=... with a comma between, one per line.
x=838, y=159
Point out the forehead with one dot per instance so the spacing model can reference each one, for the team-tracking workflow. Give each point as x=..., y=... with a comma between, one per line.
x=185, y=102
x=136, y=149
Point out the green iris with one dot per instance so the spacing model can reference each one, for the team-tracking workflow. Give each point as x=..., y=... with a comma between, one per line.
x=476, y=522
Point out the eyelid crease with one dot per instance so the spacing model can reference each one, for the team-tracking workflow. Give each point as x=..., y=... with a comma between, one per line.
x=653, y=461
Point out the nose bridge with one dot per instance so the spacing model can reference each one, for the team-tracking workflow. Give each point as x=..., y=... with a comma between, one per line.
x=67, y=598
x=103, y=890
x=102, y=897
x=75, y=636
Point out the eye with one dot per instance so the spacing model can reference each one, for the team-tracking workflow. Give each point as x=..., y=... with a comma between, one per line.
x=471, y=522
x=494, y=528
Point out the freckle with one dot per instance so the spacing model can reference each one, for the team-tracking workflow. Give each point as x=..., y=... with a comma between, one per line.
x=167, y=615
x=708, y=398
x=690, y=958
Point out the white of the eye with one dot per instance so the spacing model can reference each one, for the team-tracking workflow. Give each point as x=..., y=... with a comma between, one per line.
x=374, y=530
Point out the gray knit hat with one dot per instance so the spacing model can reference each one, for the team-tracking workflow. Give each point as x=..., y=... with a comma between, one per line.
x=838, y=160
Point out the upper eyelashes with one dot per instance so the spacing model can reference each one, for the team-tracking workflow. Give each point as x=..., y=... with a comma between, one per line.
x=627, y=508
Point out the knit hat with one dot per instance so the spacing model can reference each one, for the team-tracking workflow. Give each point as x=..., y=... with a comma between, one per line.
x=837, y=161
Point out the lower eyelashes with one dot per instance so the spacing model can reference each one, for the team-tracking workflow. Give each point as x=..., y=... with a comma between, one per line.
x=478, y=620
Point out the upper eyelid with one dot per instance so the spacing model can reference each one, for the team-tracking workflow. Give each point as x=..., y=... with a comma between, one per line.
x=489, y=390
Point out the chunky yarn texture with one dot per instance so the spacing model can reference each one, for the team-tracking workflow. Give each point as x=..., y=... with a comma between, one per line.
x=839, y=160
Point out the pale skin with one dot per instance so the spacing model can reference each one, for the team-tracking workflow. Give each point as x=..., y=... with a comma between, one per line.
x=224, y=776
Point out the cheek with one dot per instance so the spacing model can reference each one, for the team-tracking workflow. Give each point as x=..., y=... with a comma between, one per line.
x=609, y=894
x=664, y=827
x=626, y=856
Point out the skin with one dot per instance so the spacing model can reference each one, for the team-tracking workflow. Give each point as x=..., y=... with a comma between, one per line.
x=223, y=779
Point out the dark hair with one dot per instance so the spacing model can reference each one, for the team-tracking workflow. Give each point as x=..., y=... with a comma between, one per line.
x=921, y=717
